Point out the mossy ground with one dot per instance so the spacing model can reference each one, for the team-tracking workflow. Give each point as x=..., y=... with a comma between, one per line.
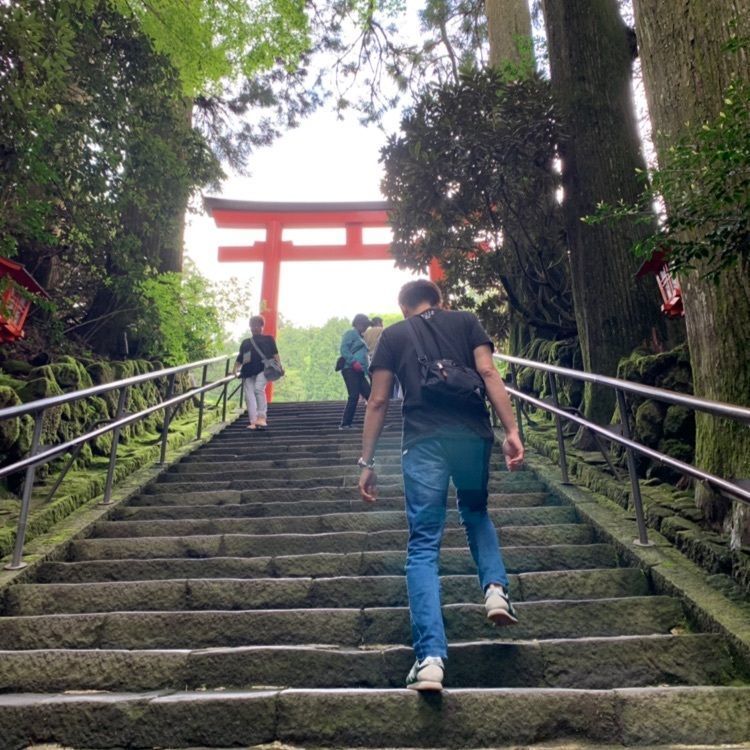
x=139, y=444
x=82, y=485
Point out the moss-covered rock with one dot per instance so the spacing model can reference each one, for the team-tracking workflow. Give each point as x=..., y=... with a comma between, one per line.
x=16, y=367
x=70, y=376
x=525, y=379
x=100, y=372
x=678, y=378
x=124, y=369
x=10, y=429
x=648, y=423
x=11, y=382
x=679, y=423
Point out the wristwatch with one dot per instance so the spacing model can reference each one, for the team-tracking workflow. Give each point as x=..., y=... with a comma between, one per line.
x=366, y=464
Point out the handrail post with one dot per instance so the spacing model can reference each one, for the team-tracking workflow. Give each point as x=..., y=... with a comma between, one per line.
x=519, y=411
x=224, y=393
x=202, y=402
x=635, y=487
x=558, y=428
x=121, y=404
x=28, y=485
x=167, y=418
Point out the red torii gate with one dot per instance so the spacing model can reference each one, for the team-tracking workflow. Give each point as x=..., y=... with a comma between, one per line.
x=274, y=218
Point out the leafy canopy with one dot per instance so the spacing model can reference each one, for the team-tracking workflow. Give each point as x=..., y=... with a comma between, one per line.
x=210, y=42
x=181, y=315
x=472, y=182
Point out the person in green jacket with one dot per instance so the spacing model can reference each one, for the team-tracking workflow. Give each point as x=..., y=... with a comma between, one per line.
x=354, y=351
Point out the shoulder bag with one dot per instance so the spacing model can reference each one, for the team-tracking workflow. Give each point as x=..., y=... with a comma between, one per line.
x=272, y=368
x=445, y=381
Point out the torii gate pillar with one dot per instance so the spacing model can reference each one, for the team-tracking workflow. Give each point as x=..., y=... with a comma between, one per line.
x=269, y=291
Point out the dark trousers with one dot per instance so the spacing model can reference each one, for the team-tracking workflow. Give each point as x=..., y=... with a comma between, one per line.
x=356, y=386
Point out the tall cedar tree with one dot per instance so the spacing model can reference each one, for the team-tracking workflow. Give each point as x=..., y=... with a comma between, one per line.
x=688, y=67
x=591, y=53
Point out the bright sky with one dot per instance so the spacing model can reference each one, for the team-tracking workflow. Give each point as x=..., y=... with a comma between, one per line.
x=323, y=160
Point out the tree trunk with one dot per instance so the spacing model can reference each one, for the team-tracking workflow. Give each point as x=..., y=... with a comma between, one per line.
x=509, y=30
x=512, y=53
x=590, y=60
x=686, y=69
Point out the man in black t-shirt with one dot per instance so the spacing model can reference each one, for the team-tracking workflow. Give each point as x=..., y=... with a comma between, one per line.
x=440, y=443
x=249, y=364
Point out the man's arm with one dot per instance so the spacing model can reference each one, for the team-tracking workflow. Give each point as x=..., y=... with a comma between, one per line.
x=498, y=396
x=238, y=362
x=377, y=408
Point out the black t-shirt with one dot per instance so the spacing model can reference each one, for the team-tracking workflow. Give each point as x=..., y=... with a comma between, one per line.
x=455, y=336
x=251, y=361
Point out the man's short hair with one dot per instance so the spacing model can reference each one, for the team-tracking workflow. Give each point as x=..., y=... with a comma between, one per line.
x=376, y=321
x=414, y=293
x=360, y=319
x=257, y=320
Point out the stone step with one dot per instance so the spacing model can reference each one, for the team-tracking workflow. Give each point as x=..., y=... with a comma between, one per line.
x=333, y=475
x=249, y=451
x=586, y=663
x=345, y=482
x=207, y=526
x=237, y=509
x=229, y=540
x=321, y=565
x=348, y=718
x=266, y=440
x=258, y=497
x=295, y=593
x=453, y=560
x=338, y=626
x=336, y=500
x=362, y=517
x=198, y=462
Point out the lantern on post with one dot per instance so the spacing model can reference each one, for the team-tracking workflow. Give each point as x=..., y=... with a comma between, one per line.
x=14, y=304
x=669, y=287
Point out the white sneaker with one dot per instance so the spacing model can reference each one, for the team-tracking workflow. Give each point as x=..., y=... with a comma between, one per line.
x=498, y=606
x=426, y=674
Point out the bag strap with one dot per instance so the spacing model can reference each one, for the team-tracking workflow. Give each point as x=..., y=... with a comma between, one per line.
x=435, y=334
x=257, y=349
x=411, y=326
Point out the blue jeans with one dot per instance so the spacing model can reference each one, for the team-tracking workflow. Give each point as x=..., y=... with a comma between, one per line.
x=428, y=466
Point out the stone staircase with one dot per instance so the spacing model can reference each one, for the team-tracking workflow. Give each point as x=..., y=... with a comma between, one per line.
x=250, y=597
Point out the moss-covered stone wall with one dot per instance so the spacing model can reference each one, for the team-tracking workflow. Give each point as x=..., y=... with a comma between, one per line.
x=664, y=427
x=140, y=443
x=668, y=508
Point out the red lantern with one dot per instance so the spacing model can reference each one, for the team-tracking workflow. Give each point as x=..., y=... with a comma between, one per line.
x=14, y=304
x=669, y=287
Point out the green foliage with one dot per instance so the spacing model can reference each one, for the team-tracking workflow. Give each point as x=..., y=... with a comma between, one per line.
x=471, y=181
x=212, y=41
x=704, y=183
x=181, y=317
x=309, y=355
x=98, y=158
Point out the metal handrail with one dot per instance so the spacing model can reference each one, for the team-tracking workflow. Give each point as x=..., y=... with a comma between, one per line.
x=43, y=404
x=631, y=446
x=719, y=408
x=38, y=456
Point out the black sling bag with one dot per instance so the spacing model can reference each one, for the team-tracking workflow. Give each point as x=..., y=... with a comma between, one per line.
x=445, y=381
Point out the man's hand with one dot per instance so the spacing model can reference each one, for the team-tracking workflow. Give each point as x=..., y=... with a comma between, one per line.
x=368, y=485
x=513, y=450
